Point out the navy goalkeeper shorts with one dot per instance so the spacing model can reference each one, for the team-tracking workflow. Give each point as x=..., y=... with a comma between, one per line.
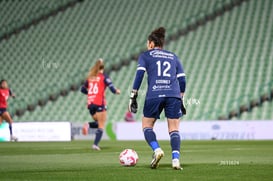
x=154, y=107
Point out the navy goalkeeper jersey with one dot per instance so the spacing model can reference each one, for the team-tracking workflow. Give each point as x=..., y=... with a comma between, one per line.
x=164, y=70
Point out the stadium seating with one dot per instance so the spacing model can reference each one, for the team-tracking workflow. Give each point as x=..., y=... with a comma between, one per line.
x=17, y=13
x=227, y=60
x=57, y=53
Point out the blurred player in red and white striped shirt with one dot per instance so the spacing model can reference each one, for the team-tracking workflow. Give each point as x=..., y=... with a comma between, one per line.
x=94, y=88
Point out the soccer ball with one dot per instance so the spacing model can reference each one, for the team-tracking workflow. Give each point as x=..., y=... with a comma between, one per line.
x=128, y=157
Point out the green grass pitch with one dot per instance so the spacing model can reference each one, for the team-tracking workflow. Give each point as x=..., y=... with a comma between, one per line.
x=201, y=160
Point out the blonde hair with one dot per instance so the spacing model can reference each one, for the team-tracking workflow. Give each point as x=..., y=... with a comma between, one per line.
x=94, y=71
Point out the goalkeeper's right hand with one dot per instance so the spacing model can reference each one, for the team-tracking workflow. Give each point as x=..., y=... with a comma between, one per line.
x=133, y=102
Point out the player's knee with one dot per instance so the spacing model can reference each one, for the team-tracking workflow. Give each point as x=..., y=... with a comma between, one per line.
x=147, y=126
x=148, y=122
x=173, y=129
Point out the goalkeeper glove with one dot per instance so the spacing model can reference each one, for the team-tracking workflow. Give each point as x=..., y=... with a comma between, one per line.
x=133, y=102
x=183, y=109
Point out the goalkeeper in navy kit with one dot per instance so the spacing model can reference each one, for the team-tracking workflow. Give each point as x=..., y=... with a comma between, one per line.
x=166, y=87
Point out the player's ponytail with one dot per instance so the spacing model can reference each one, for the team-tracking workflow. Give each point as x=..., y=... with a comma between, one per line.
x=93, y=72
x=158, y=36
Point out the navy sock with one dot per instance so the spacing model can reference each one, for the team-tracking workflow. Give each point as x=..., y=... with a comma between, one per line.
x=99, y=133
x=175, y=144
x=150, y=138
x=93, y=124
x=10, y=129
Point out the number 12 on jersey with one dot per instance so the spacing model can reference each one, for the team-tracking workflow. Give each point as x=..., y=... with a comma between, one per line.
x=166, y=67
